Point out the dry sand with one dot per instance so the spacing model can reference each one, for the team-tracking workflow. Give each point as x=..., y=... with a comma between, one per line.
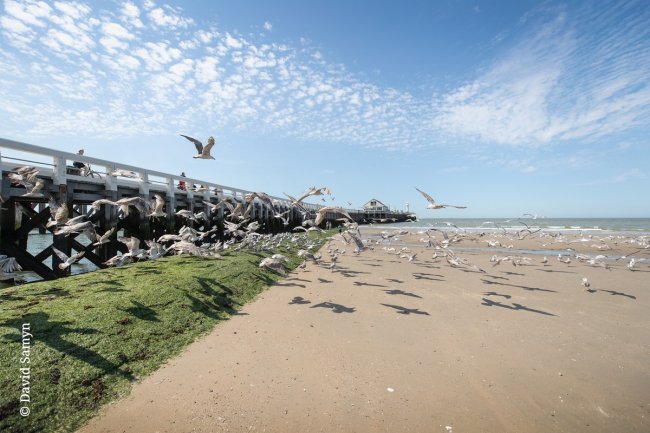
x=386, y=345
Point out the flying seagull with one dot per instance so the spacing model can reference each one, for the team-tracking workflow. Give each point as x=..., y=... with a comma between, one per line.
x=67, y=261
x=432, y=203
x=203, y=152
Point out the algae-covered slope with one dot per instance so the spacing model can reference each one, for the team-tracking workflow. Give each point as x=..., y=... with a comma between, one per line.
x=88, y=337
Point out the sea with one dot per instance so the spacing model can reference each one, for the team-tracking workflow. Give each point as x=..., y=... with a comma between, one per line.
x=605, y=226
x=627, y=226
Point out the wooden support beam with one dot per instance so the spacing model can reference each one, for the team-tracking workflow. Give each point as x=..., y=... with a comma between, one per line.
x=28, y=261
x=35, y=220
x=88, y=253
x=47, y=252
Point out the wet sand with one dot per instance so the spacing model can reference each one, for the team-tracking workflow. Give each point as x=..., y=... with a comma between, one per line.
x=380, y=344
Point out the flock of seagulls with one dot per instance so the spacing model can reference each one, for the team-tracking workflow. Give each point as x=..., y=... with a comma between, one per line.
x=239, y=229
x=200, y=236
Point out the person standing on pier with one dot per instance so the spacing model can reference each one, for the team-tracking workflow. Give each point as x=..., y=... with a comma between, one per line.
x=182, y=185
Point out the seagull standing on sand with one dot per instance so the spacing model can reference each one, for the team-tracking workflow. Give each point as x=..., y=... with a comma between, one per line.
x=203, y=151
x=432, y=203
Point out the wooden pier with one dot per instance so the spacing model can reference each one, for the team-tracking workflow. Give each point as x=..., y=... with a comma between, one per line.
x=63, y=183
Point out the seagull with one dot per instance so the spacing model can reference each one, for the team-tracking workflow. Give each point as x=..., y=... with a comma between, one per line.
x=67, y=261
x=8, y=267
x=34, y=190
x=87, y=227
x=125, y=173
x=59, y=212
x=432, y=203
x=203, y=152
x=158, y=207
x=133, y=244
x=274, y=265
x=585, y=282
x=323, y=211
x=283, y=216
x=104, y=239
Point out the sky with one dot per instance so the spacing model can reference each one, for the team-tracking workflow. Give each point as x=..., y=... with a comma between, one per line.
x=539, y=107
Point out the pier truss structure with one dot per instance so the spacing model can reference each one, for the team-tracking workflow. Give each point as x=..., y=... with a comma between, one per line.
x=65, y=184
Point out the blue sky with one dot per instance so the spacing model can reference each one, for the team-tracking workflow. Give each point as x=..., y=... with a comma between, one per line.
x=505, y=107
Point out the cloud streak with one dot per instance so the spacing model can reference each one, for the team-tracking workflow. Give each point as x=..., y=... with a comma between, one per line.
x=582, y=76
x=152, y=70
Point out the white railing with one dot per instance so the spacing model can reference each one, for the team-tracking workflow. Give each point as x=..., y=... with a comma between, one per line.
x=57, y=169
x=61, y=161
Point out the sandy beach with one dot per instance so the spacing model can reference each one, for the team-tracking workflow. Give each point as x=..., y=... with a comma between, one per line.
x=381, y=344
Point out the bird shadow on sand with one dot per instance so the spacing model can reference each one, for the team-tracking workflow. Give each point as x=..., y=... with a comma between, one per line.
x=394, y=280
x=512, y=273
x=555, y=270
x=423, y=276
x=428, y=265
x=361, y=283
x=373, y=264
x=401, y=292
x=290, y=284
x=615, y=293
x=336, y=308
x=406, y=311
x=532, y=289
x=498, y=278
x=299, y=300
x=496, y=294
x=514, y=306
x=323, y=280
x=298, y=279
x=349, y=274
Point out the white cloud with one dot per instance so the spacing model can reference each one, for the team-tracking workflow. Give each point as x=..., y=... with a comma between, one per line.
x=559, y=83
x=13, y=25
x=29, y=13
x=156, y=63
x=67, y=42
x=168, y=17
x=155, y=55
x=630, y=174
x=116, y=30
x=113, y=44
x=73, y=10
x=232, y=42
x=267, y=26
x=206, y=69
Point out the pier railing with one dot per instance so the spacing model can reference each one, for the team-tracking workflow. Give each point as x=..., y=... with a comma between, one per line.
x=149, y=180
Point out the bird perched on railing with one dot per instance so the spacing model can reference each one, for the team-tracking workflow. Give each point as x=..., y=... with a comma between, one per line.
x=203, y=151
